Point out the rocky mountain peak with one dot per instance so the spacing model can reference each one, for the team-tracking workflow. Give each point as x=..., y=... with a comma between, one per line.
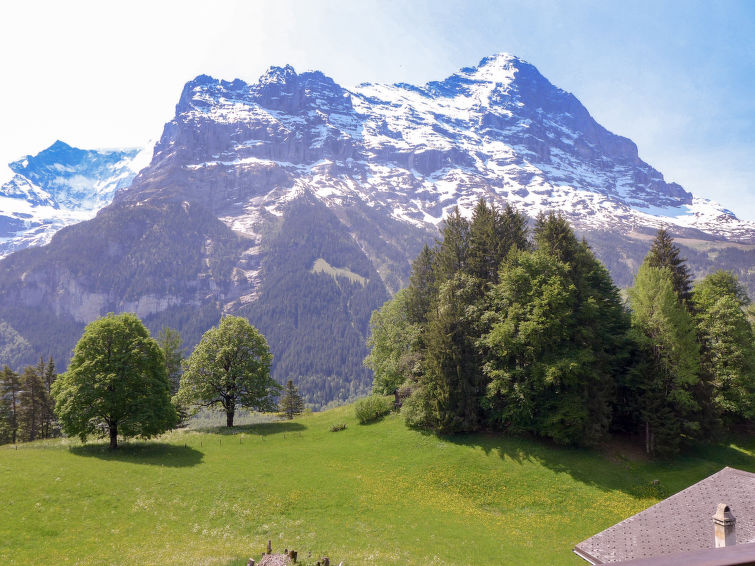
x=278, y=75
x=282, y=89
x=499, y=68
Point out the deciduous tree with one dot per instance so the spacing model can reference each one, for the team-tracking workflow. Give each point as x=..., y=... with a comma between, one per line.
x=115, y=384
x=230, y=367
x=393, y=345
x=669, y=372
x=727, y=348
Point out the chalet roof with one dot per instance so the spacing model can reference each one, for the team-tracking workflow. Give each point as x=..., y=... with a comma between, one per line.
x=275, y=560
x=681, y=523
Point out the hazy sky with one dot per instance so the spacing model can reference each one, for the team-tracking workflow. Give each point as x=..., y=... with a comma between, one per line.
x=678, y=78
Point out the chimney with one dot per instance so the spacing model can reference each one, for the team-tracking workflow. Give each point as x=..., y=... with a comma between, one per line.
x=724, y=526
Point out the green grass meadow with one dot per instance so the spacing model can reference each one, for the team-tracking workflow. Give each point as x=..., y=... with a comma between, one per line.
x=370, y=494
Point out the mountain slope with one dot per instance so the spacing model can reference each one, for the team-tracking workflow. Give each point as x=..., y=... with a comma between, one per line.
x=307, y=201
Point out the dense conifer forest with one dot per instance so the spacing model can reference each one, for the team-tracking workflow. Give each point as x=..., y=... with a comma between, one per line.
x=503, y=329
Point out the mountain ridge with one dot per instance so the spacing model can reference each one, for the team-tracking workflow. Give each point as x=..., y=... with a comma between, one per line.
x=272, y=176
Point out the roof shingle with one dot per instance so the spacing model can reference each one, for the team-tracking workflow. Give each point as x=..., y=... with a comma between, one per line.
x=681, y=523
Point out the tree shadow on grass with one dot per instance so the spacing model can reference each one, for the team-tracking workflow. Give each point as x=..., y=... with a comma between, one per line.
x=614, y=467
x=149, y=453
x=259, y=429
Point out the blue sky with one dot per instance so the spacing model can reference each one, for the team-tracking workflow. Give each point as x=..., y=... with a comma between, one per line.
x=678, y=78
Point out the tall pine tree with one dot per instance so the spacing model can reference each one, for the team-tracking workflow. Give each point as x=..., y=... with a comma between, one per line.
x=664, y=253
x=33, y=403
x=451, y=379
x=452, y=250
x=10, y=389
x=422, y=290
x=170, y=343
x=291, y=403
x=50, y=426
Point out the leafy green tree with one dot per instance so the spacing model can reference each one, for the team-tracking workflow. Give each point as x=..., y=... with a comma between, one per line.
x=291, y=403
x=669, y=371
x=115, y=383
x=555, y=340
x=230, y=367
x=600, y=322
x=532, y=372
x=727, y=348
x=664, y=253
x=393, y=345
x=10, y=389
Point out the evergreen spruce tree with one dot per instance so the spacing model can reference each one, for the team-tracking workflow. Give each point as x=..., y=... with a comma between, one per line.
x=492, y=234
x=512, y=231
x=33, y=401
x=555, y=237
x=421, y=292
x=452, y=379
x=291, y=403
x=49, y=420
x=5, y=430
x=466, y=263
x=664, y=253
x=452, y=249
x=484, y=243
x=10, y=389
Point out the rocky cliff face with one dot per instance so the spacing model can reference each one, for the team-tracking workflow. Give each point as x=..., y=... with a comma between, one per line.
x=253, y=185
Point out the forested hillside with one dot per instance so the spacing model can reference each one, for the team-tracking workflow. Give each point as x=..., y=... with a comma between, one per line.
x=317, y=322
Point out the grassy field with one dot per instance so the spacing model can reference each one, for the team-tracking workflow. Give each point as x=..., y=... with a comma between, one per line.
x=371, y=494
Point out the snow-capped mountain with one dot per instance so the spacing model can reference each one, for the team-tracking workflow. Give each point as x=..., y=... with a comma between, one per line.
x=300, y=204
x=499, y=130
x=61, y=185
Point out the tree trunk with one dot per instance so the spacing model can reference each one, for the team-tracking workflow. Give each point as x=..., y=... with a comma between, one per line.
x=113, y=436
x=229, y=418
